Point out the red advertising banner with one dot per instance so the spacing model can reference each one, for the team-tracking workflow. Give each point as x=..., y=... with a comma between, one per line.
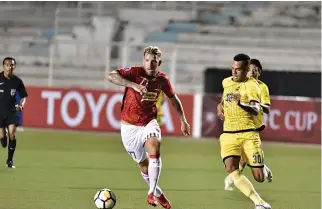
x=290, y=120
x=91, y=110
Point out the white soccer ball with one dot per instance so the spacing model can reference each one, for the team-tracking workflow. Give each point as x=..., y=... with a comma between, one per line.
x=105, y=199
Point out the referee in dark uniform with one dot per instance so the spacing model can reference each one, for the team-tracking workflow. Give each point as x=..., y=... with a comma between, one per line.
x=9, y=85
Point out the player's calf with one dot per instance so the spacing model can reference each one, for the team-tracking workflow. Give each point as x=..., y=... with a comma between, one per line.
x=159, y=195
x=144, y=166
x=12, y=146
x=232, y=163
x=242, y=183
x=3, y=137
x=4, y=141
x=152, y=146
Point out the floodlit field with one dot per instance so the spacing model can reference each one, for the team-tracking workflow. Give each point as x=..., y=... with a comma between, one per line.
x=63, y=170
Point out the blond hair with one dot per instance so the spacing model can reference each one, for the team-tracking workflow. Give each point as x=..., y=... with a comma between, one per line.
x=154, y=50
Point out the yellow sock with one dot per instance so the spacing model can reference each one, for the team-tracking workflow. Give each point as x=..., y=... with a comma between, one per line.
x=244, y=185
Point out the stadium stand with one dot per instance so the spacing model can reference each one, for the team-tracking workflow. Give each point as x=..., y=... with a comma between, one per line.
x=68, y=41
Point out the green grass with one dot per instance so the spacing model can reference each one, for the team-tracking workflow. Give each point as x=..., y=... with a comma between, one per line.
x=60, y=170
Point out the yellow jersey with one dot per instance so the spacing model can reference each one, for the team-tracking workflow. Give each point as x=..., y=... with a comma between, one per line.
x=159, y=104
x=236, y=118
x=265, y=100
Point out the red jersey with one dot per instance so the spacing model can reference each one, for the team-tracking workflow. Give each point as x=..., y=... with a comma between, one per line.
x=135, y=111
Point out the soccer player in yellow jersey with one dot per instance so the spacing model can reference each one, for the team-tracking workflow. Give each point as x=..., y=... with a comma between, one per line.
x=240, y=138
x=255, y=69
x=159, y=104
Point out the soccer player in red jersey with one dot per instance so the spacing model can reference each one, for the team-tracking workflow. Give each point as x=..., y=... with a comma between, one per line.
x=140, y=130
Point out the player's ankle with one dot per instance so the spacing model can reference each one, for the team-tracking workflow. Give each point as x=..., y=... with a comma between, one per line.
x=154, y=156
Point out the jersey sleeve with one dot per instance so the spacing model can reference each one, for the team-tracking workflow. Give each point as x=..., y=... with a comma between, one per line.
x=167, y=88
x=22, y=90
x=265, y=98
x=253, y=92
x=128, y=73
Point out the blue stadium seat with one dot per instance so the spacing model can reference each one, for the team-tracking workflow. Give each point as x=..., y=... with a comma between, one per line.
x=162, y=37
x=49, y=32
x=182, y=27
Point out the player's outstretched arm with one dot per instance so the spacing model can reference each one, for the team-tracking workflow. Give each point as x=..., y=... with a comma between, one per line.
x=116, y=78
x=266, y=108
x=177, y=105
x=253, y=107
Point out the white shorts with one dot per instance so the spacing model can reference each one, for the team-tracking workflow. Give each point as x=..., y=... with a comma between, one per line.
x=134, y=138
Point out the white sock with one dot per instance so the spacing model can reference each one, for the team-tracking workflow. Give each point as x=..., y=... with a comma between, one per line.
x=154, y=171
x=158, y=190
x=229, y=179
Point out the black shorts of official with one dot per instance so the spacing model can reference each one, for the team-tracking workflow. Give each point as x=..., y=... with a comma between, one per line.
x=9, y=118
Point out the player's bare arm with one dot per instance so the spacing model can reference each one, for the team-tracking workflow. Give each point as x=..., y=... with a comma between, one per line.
x=20, y=107
x=253, y=107
x=177, y=105
x=266, y=108
x=220, y=111
x=116, y=78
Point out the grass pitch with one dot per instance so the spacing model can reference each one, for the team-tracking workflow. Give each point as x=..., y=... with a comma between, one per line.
x=63, y=170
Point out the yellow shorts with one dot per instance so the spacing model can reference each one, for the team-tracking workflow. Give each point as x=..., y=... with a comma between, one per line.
x=246, y=145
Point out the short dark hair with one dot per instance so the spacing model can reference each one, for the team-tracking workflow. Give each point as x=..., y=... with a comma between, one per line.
x=242, y=57
x=8, y=58
x=257, y=63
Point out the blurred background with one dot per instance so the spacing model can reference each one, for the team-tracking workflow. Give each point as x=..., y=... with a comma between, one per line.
x=64, y=51
x=67, y=43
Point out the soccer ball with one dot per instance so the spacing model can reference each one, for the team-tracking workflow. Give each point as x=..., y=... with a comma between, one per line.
x=105, y=199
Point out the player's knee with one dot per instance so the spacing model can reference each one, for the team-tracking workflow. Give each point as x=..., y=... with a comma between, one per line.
x=231, y=168
x=12, y=135
x=242, y=162
x=153, y=146
x=259, y=178
x=231, y=164
x=259, y=175
x=3, y=136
